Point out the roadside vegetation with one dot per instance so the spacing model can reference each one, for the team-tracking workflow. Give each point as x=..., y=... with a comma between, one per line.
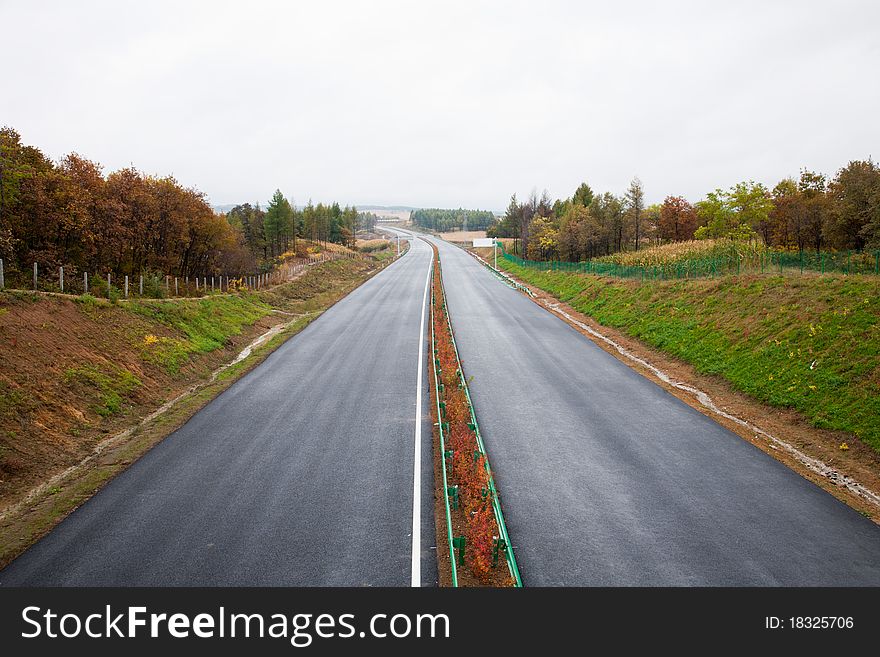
x=71, y=214
x=810, y=343
x=369, y=246
x=813, y=213
x=676, y=252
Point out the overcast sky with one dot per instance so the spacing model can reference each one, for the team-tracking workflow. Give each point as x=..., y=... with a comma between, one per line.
x=446, y=104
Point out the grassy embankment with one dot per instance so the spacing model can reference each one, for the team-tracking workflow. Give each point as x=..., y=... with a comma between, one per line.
x=76, y=371
x=811, y=343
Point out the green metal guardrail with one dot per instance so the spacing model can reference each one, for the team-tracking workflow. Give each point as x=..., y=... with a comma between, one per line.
x=493, y=491
x=437, y=391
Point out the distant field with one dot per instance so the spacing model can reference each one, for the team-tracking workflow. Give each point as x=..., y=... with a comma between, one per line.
x=463, y=236
x=400, y=215
x=679, y=251
x=368, y=246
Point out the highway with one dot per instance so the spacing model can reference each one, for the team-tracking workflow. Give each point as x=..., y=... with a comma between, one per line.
x=607, y=479
x=315, y=468
x=302, y=473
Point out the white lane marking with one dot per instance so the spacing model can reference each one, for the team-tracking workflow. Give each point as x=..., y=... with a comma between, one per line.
x=417, y=457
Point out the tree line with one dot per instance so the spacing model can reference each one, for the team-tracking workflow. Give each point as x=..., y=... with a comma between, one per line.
x=367, y=220
x=443, y=221
x=68, y=213
x=271, y=232
x=810, y=212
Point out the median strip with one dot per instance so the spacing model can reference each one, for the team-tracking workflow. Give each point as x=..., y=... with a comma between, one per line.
x=480, y=551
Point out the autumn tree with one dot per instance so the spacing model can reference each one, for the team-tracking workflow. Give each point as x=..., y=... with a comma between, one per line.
x=651, y=223
x=527, y=212
x=812, y=188
x=678, y=219
x=508, y=226
x=70, y=214
x=607, y=224
x=635, y=205
x=574, y=233
x=249, y=220
x=854, y=217
x=543, y=239
x=786, y=219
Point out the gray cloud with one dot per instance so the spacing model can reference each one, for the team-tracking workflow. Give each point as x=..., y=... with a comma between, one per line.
x=450, y=103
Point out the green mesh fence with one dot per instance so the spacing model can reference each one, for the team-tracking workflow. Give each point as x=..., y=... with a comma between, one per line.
x=842, y=262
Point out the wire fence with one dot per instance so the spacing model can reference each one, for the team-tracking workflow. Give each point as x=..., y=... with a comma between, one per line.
x=841, y=262
x=68, y=280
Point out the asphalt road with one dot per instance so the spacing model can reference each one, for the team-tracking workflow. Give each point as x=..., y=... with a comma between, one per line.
x=301, y=473
x=607, y=479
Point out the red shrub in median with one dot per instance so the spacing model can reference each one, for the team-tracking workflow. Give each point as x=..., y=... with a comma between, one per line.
x=480, y=534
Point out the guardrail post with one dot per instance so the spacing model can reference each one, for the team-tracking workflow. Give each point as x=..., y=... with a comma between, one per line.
x=2, y=280
x=35, y=276
x=61, y=279
x=459, y=543
x=498, y=546
x=141, y=286
x=126, y=286
x=108, y=285
x=85, y=282
x=452, y=492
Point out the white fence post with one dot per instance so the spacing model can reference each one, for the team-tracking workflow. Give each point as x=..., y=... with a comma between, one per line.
x=35, y=275
x=85, y=282
x=108, y=285
x=126, y=286
x=61, y=278
x=175, y=287
x=141, y=288
x=2, y=281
